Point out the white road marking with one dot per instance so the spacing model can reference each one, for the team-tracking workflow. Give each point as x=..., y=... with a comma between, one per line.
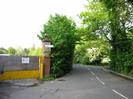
x=96, y=77
x=119, y=94
x=105, y=70
x=100, y=80
x=92, y=73
x=88, y=69
x=92, y=79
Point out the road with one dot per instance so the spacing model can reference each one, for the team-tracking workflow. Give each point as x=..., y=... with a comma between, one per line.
x=84, y=82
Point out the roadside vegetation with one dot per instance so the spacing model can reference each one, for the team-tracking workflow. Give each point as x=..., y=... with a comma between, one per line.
x=106, y=35
x=62, y=32
x=33, y=51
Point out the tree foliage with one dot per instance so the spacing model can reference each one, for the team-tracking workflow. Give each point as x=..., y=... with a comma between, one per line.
x=11, y=51
x=62, y=32
x=94, y=35
x=112, y=21
x=35, y=52
x=3, y=50
x=95, y=20
x=120, y=16
x=22, y=51
x=94, y=52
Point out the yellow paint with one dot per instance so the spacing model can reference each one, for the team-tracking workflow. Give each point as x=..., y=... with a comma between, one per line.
x=41, y=69
x=23, y=74
x=9, y=75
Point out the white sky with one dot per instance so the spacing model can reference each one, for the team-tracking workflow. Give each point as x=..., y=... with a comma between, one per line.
x=22, y=20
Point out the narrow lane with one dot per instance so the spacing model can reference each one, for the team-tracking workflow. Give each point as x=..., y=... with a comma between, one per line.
x=84, y=82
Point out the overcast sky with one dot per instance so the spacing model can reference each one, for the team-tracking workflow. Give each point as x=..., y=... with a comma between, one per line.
x=22, y=20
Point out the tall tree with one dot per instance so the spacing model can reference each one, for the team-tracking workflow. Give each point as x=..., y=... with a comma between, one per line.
x=95, y=30
x=95, y=20
x=120, y=20
x=112, y=19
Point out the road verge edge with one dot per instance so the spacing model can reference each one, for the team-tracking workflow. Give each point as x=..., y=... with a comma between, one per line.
x=119, y=74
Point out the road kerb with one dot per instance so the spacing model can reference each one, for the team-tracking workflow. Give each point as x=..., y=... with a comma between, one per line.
x=118, y=74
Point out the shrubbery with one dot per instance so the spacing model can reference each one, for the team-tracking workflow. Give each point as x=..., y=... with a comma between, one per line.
x=94, y=52
x=61, y=31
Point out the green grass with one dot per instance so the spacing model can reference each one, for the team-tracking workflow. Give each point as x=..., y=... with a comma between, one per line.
x=51, y=77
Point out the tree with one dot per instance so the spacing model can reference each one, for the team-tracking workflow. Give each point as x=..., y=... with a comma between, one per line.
x=26, y=51
x=120, y=16
x=95, y=33
x=11, y=51
x=95, y=20
x=92, y=51
x=20, y=51
x=112, y=21
x=62, y=32
x=35, y=52
x=3, y=50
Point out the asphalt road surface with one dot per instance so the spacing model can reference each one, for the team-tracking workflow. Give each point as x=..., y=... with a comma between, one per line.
x=84, y=82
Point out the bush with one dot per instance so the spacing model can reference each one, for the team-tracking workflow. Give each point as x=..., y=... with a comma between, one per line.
x=122, y=62
x=62, y=31
x=94, y=56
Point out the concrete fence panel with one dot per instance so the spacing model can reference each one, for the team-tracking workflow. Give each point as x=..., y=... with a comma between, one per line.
x=19, y=67
x=13, y=63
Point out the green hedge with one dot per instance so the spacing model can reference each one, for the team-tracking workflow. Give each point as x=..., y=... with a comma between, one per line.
x=62, y=32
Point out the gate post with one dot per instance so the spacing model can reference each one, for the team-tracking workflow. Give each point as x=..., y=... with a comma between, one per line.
x=41, y=67
x=46, y=57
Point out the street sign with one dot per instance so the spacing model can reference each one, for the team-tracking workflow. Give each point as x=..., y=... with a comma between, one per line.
x=49, y=46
